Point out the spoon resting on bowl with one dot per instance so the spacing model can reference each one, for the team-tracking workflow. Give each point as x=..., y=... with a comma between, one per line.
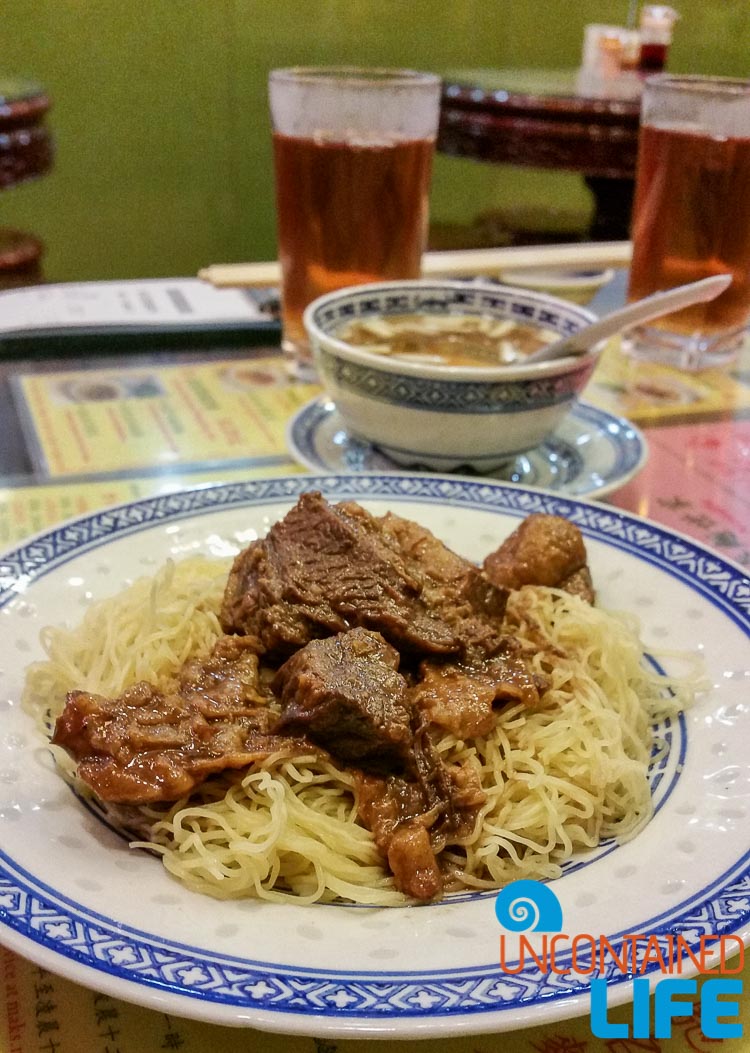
x=633, y=314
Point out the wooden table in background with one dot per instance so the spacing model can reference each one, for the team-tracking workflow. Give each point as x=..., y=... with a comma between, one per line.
x=25, y=153
x=535, y=118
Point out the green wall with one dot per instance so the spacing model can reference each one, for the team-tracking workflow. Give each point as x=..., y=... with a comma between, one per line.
x=163, y=157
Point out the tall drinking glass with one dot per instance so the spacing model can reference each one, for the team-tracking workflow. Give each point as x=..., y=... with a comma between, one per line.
x=353, y=155
x=691, y=217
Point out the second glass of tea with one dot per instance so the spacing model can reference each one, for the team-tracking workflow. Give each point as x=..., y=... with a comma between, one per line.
x=691, y=217
x=353, y=156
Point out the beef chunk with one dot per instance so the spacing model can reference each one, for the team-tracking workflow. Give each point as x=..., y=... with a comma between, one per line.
x=152, y=746
x=323, y=570
x=346, y=694
x=543, y=550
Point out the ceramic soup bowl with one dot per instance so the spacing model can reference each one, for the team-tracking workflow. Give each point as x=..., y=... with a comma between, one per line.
x=428, y=413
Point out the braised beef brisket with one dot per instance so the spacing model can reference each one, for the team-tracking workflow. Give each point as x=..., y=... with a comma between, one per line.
x=323, y=569
x=458, y=590
x=346, y=693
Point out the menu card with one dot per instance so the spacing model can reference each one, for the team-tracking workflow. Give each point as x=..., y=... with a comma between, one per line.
x=140, y=305
x=99, y=421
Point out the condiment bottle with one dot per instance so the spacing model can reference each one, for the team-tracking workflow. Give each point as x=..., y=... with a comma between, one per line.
x=656, y=25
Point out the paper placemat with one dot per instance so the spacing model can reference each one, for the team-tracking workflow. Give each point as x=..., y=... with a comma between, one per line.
x=647, y=393
x=27, y=510
x=114, y=420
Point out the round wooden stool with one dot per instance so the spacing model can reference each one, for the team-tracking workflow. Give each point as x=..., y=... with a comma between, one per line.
x=25, y=153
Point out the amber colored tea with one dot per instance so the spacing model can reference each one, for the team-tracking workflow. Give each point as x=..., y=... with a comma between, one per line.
x=347, y=213
x=692, y=219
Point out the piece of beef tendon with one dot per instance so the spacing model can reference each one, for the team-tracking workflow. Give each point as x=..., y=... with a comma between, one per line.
x=466, y=699
x=144, y=746
x=413, y=862
x=543, y=550
x=149, y=745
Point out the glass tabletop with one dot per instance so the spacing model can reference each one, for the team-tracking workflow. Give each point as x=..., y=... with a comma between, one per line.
x=108, y=426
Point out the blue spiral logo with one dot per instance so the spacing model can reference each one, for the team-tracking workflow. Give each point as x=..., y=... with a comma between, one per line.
x=528, y=906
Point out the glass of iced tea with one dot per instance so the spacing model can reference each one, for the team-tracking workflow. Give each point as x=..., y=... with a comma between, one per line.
x=691, y=217
x=353, y=155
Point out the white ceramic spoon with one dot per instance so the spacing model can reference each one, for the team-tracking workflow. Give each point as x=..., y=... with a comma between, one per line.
x=634, y=314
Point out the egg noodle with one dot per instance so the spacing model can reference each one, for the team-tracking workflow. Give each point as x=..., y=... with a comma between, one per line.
x=557, y=779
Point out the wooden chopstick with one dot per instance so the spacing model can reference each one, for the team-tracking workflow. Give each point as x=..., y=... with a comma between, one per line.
x=490, y=262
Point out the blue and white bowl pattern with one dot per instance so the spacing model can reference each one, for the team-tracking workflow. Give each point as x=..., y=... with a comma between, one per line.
x=330, y=312
x=450, y=396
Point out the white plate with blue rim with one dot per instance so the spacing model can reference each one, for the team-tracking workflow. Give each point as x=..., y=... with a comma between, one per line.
x=67, y=880
x=591, y=452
